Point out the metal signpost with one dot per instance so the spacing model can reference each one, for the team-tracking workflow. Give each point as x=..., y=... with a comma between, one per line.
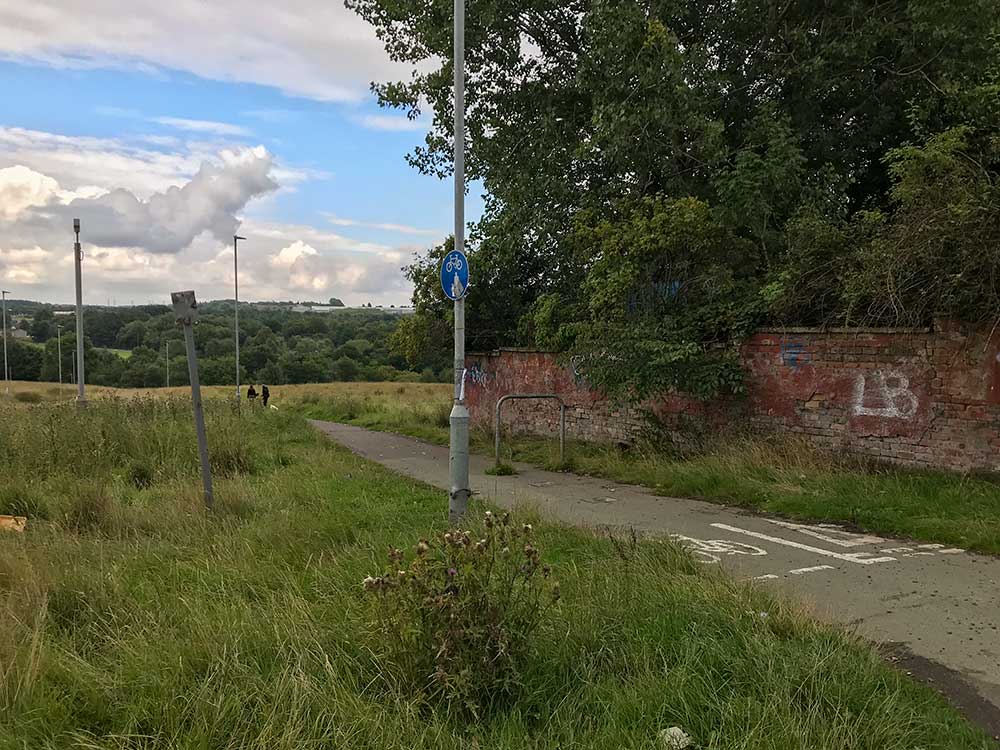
x=186, y=312
x=236, y=311
x=6, y=372
x=455, y=283
x=81, y=398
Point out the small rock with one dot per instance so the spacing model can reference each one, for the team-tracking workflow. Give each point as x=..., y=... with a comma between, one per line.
x=675, y=738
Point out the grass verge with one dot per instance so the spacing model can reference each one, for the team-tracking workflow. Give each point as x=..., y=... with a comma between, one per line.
x=770, y=475
x=139, y=621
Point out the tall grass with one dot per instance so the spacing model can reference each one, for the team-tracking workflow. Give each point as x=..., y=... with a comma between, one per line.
x=171, y=627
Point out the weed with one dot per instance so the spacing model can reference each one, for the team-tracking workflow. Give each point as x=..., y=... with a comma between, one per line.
x=501, y=470
x=458, y=614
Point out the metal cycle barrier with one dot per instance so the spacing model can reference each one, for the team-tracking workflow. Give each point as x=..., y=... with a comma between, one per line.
x=562, y=421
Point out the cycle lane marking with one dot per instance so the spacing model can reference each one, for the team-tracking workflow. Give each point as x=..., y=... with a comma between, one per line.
x=859, y=558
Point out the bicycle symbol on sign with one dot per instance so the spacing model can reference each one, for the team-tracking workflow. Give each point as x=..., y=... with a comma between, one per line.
x=454, y=263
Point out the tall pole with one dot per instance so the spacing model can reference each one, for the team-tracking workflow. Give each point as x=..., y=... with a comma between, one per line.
x=236, y=310
x=59, y=350
x=81, y=397
x=458, y=459
x=166, y=359
x=186, y=311
x=6, y=371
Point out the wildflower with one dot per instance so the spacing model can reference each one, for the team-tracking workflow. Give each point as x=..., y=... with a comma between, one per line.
x=452, y=572
x=488, y=519
x=555, y=592
x=395, y=554
x=505, y=551
x=546, y=570
x=530, y=552
x=368, y=584
x=422, y=548
x=448, y=537
x=527, y=528
x=401, y=573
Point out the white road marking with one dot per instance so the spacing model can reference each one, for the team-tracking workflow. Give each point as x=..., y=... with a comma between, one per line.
x=710, y=549
x=827, y=532
x=813, y=569
x=861, y=558
x=765, y=577
x=951, y=551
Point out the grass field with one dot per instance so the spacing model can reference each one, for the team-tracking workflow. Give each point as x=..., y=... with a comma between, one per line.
x=131, y=618
x=781, y=476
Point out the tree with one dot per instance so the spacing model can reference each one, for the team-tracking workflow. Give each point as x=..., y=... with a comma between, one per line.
x=591, y=118
x=334, y=302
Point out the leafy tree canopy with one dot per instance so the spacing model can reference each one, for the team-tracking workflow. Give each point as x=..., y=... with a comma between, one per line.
x=661, y=176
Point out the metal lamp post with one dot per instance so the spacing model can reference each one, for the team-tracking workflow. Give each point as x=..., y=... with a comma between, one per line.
x=6, y=372
x=59, y=354
x=81, y=397
x=458, y=458
x=236, y=310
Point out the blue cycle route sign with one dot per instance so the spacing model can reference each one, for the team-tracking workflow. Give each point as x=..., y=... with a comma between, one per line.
x=455, y=275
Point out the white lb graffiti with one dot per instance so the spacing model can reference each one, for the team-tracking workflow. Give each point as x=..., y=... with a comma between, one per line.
x=898, y=401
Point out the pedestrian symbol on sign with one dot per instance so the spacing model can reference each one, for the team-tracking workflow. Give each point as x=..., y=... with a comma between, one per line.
x=455, y=275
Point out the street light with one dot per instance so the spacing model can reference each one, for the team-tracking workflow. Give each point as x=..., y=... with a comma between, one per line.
x=77, y=260
x=59, y=348
x=236, y=310
x=458, y=452
x=6, y=372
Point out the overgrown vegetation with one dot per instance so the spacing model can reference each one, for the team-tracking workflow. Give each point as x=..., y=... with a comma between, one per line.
x=245, y=628
x=662, y=177
x=457, y=616
x=767, y=474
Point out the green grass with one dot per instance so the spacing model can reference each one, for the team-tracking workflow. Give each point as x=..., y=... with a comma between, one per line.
x=778, y=475
x=131, y=618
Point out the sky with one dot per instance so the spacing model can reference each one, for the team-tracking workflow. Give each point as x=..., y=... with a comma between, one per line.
x=167, y=127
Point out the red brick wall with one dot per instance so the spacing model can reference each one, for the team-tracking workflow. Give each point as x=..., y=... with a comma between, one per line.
x=918, y=398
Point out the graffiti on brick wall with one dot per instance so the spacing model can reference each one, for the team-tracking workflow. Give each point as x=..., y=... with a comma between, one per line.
x=794, y=354
x=890, y=390
x=476, y=375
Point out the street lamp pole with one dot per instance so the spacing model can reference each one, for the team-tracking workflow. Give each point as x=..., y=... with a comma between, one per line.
x=6, y=372
x=458, y=458
x=166, y=359
x=81, y=397
x=59, y=354
x=236, y=310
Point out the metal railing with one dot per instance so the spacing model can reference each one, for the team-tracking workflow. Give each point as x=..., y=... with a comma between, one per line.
x=562, y=421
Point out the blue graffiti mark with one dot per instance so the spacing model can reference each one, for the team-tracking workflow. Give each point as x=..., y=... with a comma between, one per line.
x=794, y=354
x=477, y=375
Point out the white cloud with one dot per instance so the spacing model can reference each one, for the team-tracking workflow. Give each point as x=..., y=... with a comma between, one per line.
x=392, y=123
x=157, y=221
x=338, y=221
x=309, y=48
x=202, y=126
x=165, y=222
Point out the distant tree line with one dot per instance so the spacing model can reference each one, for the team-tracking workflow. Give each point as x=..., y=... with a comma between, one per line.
x=136, y=347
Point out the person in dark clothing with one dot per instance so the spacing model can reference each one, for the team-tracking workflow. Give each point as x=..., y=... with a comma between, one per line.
x=265, y=394
x=251, y=394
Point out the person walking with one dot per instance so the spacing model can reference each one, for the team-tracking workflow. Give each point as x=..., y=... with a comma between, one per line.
x=251, y=394
x=265, y=394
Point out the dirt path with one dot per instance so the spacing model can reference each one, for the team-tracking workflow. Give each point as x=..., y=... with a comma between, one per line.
x=936, y=608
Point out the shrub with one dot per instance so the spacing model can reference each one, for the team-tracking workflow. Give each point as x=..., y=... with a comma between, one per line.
x=456, y=619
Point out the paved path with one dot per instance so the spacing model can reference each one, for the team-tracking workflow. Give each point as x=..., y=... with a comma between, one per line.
x=941, y=603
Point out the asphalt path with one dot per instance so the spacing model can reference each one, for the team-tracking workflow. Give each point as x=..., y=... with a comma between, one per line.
x=933, y=608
